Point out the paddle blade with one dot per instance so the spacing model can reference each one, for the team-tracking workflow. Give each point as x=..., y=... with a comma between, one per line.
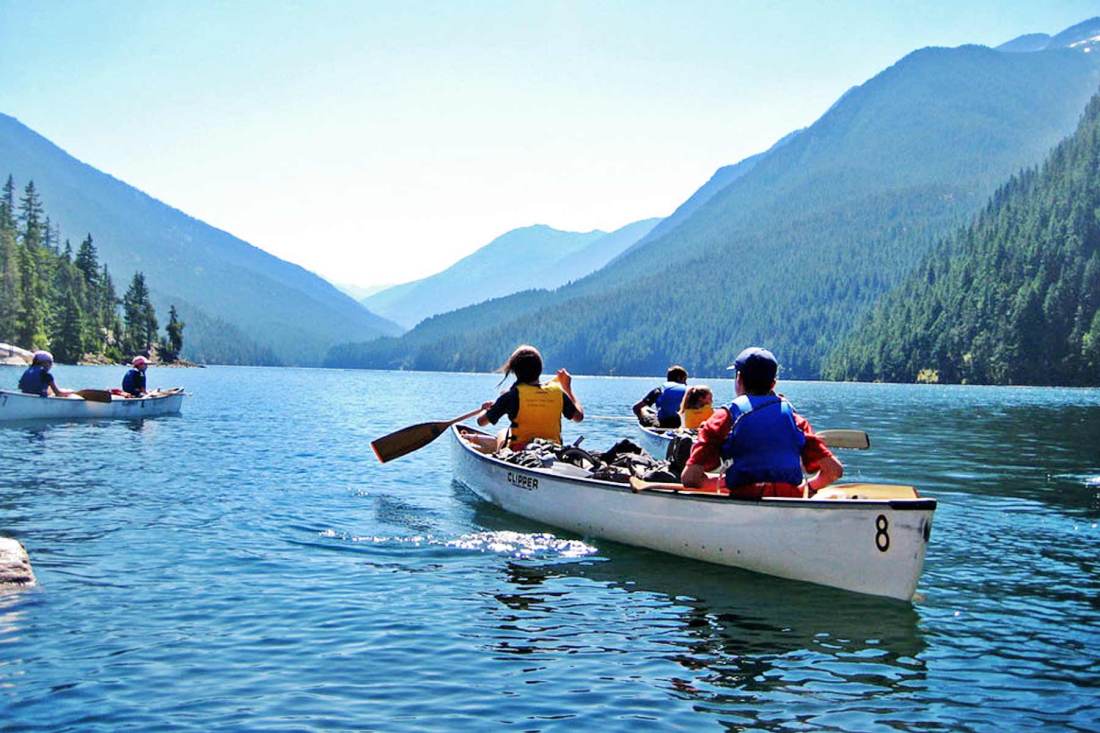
x=867, y=491
x=840, y=438
x=407, y=440
x=95, y=395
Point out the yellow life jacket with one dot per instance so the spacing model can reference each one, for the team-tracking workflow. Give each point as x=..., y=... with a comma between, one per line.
x=693, y=417
x=539, y=414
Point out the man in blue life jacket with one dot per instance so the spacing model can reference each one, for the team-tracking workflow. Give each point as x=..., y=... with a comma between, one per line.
x=133, y=384
x=769, y=443
x=666, y=398
x=37, y=379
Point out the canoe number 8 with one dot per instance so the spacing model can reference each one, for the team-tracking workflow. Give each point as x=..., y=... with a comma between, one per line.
x=882, y=536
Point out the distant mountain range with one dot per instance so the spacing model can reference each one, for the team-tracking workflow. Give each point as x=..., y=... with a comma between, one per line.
x=532, y=257
x=241, y=304
x=804, y=240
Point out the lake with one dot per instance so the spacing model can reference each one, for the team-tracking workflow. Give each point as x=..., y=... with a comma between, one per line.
x=249, y=565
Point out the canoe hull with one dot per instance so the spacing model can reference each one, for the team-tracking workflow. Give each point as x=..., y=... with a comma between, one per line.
x=866, y=546
x=655, y=442
x=15, y=406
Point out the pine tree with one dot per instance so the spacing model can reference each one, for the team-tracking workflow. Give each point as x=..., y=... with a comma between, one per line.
x=30, y=217
x=87, y=259
x=141, y=319
x=10, y=285
x=68, y=341
x=7, y=205
x=175, y=334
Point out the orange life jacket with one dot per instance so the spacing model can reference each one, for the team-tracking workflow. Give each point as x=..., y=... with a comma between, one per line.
x=693, y=417
x=539, y=414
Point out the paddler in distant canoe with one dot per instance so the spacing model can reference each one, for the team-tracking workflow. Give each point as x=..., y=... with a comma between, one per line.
x=769, y=443
x=37, y=379
x=133, y=383
x=667, y=398
x=535, y=410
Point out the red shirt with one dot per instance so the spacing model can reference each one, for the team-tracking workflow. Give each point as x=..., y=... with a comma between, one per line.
x=707, y=449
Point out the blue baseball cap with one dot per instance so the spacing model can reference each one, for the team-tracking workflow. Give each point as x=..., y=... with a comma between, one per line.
x=756, y=364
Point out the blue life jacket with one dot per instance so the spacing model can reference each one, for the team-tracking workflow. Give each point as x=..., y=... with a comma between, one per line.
x=35, y=380
x=134, y=382
x=668, y=402
x=765, y=444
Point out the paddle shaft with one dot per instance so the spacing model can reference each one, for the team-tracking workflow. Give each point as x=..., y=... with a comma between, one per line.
x=406, y=440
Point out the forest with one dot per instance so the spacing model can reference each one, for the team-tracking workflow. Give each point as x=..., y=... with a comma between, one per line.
x=1013, y=298
x=54, y=298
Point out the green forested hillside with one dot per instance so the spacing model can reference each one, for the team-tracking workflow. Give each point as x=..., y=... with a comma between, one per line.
x=270, y=306
x=1014, y=298
x=794, y=251
x=57, y=297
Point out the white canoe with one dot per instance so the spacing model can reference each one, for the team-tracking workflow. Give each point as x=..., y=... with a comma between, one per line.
x=19, y=406
x=873, y=546
x=656, y=440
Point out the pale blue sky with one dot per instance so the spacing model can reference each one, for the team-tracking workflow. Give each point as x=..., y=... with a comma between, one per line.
x=379, y=142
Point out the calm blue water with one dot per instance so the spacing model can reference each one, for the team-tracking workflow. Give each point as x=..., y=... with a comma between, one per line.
x=248, y=565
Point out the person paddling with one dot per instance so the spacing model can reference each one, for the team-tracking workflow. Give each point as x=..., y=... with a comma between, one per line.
x=133, y=383
x=668, y=398
x=535, y=410
x=36, y=379
x=768, y=442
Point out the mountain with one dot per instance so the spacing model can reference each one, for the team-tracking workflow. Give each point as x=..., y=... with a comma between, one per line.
x=794, y=251
x=535, y=256
x=1014, y=298
x=271, y=306
x=723, y=177
x=1076, y=35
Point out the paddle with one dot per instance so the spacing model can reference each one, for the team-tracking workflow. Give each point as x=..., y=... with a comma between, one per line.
x=414, y=437
x=844, y=438
x=839, y=491
x=95, y=395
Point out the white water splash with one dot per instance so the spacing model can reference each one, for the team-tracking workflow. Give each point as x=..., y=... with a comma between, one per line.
x=515, y=544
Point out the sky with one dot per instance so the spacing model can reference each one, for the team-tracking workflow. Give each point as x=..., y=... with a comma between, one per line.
x=379, y=142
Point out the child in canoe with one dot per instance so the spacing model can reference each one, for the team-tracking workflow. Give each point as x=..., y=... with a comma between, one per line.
x=698, y=405
x=534, y=410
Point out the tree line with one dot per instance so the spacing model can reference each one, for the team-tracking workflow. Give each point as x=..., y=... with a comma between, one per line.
x=54, y=298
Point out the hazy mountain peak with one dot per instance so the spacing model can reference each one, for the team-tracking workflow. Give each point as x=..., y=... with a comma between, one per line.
x=1082, y=36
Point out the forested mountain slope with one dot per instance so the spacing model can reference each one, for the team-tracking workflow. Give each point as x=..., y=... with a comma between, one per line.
x=211, y=275
x=1014, y=298
x=530, y=257
x=794, y=251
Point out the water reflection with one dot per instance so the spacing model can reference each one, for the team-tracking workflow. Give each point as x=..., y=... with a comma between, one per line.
x=735, y=636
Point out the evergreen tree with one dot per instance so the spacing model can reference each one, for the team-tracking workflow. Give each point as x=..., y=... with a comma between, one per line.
x=7, y=205
x=87, y=259
x=175, y=334
x=68, y=341
x=10, y=285
x=141, y=319
x=30, y=217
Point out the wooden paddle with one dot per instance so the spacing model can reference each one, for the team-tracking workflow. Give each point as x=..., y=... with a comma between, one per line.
x=414, y=437
x=95, y=395
x=842, y=438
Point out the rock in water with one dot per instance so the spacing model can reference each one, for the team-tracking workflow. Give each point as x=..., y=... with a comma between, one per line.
x=15, y=565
